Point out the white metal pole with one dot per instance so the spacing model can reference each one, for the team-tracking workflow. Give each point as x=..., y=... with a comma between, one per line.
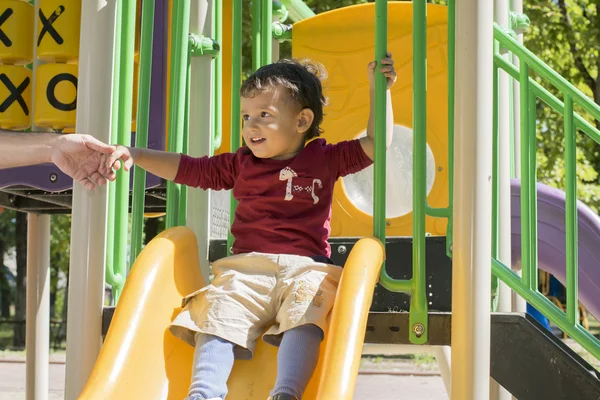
x=38, y=283
x=472, y=198
x=200, y=124
x=89, y=210
x=501, y=9
x=516, y=6
x=37, y=342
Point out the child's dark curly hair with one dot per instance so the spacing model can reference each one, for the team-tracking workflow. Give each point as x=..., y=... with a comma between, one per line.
x=302, y=79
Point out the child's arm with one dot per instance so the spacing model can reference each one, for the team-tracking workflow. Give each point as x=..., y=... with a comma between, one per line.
x=368, y=142
x=217, y=172
x=160, y=163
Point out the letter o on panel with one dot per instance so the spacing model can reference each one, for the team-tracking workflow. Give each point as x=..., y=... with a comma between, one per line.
x=56, y=96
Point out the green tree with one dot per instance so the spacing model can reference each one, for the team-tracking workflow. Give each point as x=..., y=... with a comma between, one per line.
x=564, y=33
x=60, y=246
x=7, y=242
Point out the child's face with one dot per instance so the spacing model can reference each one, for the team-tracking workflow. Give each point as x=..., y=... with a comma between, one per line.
x=273, y=126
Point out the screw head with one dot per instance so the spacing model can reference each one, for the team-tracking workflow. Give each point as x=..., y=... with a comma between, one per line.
x=342, y=249
x=418, y=330
x=388, y=223
x=53, y=177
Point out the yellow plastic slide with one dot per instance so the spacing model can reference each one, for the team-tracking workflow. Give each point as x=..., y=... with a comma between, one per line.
x=140, y=359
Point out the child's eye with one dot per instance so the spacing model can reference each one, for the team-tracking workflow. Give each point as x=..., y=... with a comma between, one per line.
x=245, y=117
x=264, y=114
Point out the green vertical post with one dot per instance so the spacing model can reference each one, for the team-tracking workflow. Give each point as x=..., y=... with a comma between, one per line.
x=180, y=24
x=418, y=304
x=525, y=176
x=141, y=137
x=266, y=47
x=217, y=31
x=115, y=279
x=186, y=142
x=256, y=34
x=571, y=213
x=451, y=74
x=532, y=182
x=495, y=179
x=236, y=76
x=125, y=104
x=379, y=179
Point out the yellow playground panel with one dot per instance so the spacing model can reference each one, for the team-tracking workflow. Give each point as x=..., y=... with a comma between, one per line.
x=342, y=40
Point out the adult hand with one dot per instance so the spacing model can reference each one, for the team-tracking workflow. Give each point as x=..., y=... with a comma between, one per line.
x=79, y=156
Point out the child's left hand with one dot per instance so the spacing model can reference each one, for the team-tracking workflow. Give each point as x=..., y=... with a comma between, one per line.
x=387, y=68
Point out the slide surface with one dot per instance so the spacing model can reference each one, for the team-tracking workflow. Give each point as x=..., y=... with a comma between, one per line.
x=140, y=359
x=552, y=240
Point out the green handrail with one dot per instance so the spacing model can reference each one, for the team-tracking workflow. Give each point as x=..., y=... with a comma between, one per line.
x=511, y=44
x=180, y=26
x=266, y=47
x=256, y=34
x=118, y=216
x=571, y=212
x=114, y=274
x=379, y=178
x=186, y=141
x=547, y=97
x=125, y=104
x=451, y=74
x=217, y=33
x=416, y=285
x=527, y=285
x=236, y=76
x=297, y=10
x=141, y=136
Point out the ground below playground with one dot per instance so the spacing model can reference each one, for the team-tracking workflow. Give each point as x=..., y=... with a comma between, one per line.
x=380, y=378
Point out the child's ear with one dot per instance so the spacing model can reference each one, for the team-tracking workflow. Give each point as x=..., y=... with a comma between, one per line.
x=305, y=120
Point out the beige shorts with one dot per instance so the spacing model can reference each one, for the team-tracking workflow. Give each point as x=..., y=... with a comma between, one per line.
x=255, y=291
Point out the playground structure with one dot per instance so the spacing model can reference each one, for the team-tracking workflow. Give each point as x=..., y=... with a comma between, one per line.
x=448, y=226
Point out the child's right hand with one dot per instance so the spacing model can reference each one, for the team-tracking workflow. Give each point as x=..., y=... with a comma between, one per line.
x=112, y=162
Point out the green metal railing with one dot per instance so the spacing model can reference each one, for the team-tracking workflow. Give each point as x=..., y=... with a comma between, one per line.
x=416, y=286
x=236, y=83
x=141, y=135
x=530, y=91
x=180, y=25
x=118, y=215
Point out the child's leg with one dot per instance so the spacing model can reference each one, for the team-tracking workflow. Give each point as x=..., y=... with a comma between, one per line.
x=213, y=361
x=297, y=359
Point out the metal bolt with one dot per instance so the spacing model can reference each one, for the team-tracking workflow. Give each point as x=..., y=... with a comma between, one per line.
x=53, y=177
x=418, y=330
x=342, y=249
x=440, y=169
x=388, y=223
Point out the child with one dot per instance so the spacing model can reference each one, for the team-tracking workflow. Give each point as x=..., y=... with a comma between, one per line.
x=280, y=275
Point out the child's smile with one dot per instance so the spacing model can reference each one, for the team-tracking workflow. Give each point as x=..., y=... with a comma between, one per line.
x=271, y=128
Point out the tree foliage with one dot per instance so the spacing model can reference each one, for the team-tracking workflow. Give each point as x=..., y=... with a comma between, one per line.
x=564, y=34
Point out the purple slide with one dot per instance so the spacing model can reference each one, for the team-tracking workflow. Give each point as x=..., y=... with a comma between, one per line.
x=551, y=240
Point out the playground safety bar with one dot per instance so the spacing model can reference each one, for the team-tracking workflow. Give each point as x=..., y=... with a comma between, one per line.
x=236, y=71
x=180, y=23
x=416, y=285
x=297, y=10
x=141, y=136
x=217, y=34
x=117, y=229
x=527, y=286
